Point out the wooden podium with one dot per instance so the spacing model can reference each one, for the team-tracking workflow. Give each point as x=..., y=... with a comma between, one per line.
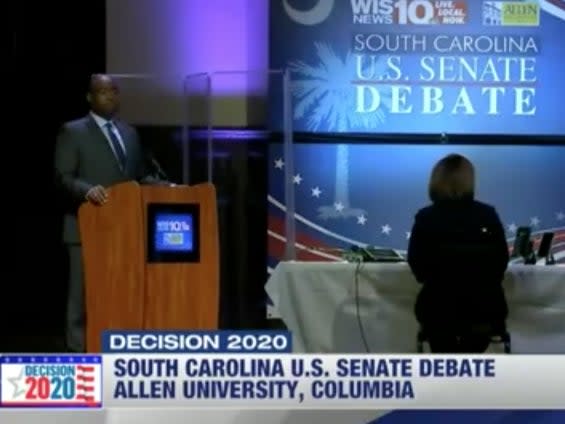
x=123, y=291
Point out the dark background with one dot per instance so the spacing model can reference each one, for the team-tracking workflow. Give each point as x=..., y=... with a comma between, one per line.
x=54, y=53
x=55, y=47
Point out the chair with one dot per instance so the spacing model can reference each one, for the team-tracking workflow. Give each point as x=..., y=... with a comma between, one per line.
x=496, y=336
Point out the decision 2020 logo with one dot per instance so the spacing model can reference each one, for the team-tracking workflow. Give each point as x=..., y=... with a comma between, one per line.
x=32, y=381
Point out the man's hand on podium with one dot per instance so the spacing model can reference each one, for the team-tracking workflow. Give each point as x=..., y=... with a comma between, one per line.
x=97, y=195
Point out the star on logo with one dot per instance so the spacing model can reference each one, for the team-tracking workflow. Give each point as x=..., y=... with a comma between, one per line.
x=16, y=381
x=361, y=220
x=512, y=228
x=339, y=206
x=279, y=163
x=534, y=222
x=316, y=192
x=297, y=179
x=560, y=216
x=385, y=229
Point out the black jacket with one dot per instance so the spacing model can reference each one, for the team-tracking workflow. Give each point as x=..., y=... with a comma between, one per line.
x=458, y=251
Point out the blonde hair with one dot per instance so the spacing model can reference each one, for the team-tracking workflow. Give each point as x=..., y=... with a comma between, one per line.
x=452, y=178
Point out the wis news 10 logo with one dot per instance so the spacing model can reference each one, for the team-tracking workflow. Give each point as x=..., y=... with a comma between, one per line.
x=30, y=381
x=410, y=12
x=173, y=231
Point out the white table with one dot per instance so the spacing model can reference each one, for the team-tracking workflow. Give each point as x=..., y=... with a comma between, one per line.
x=317, y=302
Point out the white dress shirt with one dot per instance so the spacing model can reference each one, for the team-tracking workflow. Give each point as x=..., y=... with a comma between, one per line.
x=101, y=122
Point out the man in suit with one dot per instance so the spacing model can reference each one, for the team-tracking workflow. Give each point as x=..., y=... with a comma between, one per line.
x=91, y=154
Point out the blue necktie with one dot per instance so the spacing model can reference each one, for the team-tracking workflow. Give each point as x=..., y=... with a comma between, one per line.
x=118, y=150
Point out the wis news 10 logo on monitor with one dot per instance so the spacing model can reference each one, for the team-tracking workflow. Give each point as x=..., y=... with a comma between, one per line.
x=34, y=381
x=173, y=232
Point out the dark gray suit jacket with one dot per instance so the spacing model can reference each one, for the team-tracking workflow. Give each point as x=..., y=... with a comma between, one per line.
x=84, y=158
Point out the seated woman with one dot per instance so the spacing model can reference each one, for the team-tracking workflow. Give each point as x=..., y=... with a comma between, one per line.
x=458, y=252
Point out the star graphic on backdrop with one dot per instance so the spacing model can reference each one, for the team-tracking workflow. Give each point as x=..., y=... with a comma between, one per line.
x=316, y=192
x=385, y=229
x=560, y=216
x=361, y=220
x=534, y=222
x=279, y=163
x=512, y=228
x=339, y=206
x=408, y=235
x=15, y=381
x=297, y=179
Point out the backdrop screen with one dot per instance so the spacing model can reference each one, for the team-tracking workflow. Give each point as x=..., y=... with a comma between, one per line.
x=422, y=66
x=356, y=194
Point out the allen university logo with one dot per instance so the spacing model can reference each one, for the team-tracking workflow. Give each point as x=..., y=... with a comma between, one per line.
x=51, y=381
x=511, y=13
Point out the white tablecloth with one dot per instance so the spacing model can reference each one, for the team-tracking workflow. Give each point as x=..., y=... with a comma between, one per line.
x=317, y=302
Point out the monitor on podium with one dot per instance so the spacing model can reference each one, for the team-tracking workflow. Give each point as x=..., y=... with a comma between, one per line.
x=173, y=232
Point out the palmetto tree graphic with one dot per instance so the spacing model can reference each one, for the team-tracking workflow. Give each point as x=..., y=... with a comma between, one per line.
x=325, y=94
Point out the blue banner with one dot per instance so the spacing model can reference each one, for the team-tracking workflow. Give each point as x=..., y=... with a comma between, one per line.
x=196, y=342
x=422, y=66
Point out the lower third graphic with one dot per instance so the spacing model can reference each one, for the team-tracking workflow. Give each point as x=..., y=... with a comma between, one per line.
x=28, y=381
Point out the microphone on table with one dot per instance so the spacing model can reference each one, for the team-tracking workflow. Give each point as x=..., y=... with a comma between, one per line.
x=363, y=253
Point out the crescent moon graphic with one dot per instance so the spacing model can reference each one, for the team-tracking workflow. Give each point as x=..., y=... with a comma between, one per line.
x=314, y=16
